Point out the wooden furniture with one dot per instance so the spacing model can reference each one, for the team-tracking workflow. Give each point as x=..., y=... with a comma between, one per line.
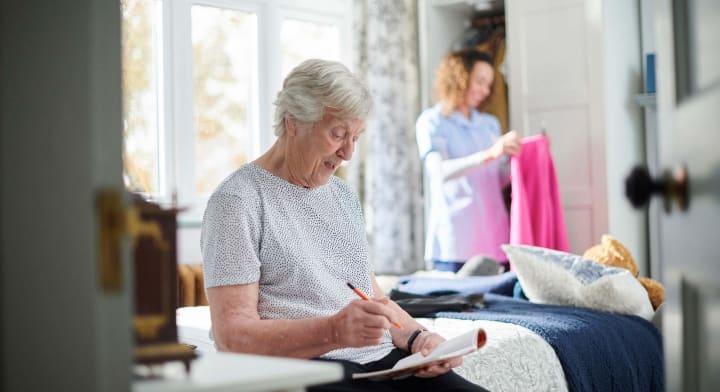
x=153, y=229
x=219, y=372
x=191, y=289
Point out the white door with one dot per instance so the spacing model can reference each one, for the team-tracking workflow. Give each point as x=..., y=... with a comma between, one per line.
x=554, y=50
x=60, y=143
x=688, y=69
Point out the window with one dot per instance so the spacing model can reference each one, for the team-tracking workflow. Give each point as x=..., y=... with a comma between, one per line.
x=199, y=79
x=142, y=78
x=224, y=93
x=294, y=33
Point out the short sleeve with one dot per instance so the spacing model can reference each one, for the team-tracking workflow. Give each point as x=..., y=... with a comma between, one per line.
x=230, y=241
x=428, y=134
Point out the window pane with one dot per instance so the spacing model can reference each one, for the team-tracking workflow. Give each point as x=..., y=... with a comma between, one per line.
x=141, y=27
x=302, y=40
x=224, y=55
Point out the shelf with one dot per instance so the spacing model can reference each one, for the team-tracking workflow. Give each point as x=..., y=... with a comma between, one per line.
x=646, y=100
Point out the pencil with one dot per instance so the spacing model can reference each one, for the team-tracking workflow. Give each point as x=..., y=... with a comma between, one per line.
x=366, y=298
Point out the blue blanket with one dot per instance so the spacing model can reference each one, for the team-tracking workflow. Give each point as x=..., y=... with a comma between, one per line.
x=598, y=351
x=428, y=285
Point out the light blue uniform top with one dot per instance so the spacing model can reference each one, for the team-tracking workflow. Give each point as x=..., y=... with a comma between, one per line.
x=467, y=214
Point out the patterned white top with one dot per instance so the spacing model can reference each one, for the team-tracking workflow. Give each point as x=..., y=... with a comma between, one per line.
x=300, y=244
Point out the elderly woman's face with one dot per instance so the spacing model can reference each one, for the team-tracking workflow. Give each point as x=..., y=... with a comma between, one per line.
x=480, y=84
x=320, y=151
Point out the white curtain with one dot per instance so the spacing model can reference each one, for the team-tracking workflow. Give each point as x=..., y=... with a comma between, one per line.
x=386, y=170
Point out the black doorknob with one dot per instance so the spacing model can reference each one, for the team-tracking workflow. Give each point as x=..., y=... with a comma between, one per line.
x=672, y=186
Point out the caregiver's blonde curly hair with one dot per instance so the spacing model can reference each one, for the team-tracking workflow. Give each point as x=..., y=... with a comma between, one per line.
x=453, y=76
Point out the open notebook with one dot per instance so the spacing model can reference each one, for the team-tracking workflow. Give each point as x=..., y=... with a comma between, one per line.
x=460, y=345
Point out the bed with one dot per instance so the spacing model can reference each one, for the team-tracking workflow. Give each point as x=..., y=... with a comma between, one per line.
x=502, y=364
x=530, y=347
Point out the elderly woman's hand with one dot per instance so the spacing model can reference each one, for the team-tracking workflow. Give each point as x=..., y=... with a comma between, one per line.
x=508, y=143
x=361, y=323
x=425, y=343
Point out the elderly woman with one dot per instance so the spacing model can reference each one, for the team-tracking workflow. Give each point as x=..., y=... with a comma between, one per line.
x=464, y=151
x=281, y=237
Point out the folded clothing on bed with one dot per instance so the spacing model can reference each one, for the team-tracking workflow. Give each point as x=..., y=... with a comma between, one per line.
x=502, y=284
x=419, y=305
x=599, y=351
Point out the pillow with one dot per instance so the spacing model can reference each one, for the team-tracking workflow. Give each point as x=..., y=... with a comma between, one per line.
x=480, y=266
x=560, y=278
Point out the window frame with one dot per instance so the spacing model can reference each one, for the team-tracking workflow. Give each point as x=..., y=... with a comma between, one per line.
x=177, y=136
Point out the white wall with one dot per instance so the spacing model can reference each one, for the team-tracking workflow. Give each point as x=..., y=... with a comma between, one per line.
x=647, y=19
x=188, y=242
x=623, y=121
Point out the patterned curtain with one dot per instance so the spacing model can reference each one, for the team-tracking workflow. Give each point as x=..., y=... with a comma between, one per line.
x=386, y=169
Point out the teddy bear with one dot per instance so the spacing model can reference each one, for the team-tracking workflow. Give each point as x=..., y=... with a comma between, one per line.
x=612, y=253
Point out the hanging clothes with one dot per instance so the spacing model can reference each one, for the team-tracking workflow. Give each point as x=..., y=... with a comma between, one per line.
x=536, y=216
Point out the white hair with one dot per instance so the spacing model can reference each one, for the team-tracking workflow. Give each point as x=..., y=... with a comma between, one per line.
x=318, y=85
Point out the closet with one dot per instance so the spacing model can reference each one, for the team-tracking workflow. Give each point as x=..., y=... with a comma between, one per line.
x=572, y=68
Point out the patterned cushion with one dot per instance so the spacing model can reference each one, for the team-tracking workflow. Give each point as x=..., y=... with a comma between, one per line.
x=560, y=278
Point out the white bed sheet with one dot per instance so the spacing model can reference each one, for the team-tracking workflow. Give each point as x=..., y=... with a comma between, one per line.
x=193, y=324
x=513, y=359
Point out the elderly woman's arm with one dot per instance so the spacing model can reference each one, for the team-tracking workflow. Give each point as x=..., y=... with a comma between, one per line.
x=447, y=169
x=237, y=327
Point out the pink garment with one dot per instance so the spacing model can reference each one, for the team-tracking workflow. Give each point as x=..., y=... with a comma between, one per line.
x=536, y=216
